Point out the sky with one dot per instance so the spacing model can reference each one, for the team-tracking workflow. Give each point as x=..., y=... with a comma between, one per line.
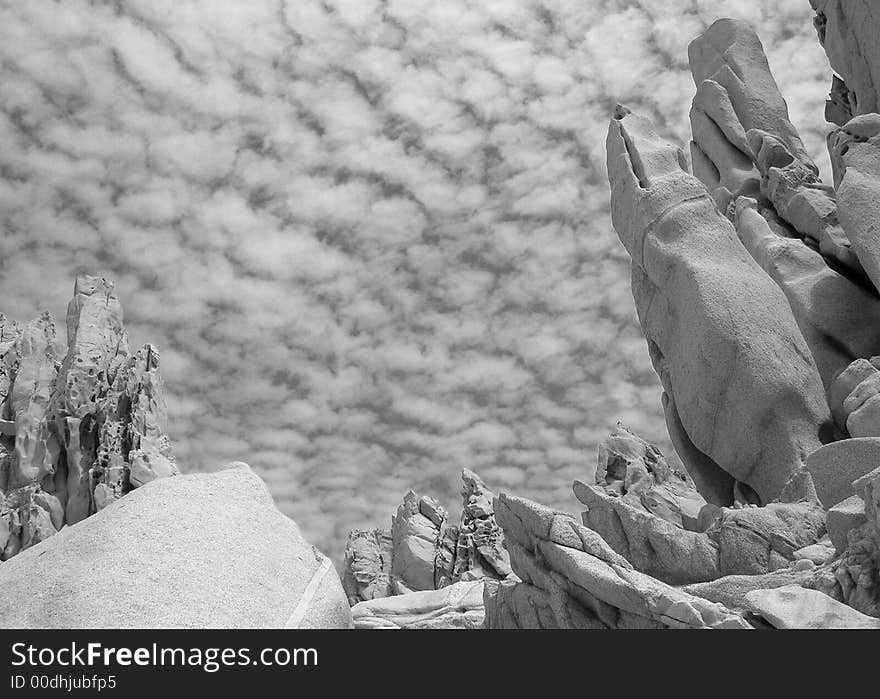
x=370, y=238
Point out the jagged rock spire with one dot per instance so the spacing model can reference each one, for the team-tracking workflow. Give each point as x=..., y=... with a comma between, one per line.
x=75, y=435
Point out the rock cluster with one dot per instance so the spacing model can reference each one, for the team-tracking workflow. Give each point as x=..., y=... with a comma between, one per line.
x=756, y=286
x=571, y=578
x=198, y=551
x=854, y=576
x=76, y=432
x=424, y=552
x=758, y=290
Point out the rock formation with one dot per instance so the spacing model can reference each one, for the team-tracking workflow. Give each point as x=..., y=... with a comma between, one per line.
x=854, y=576
x=794, y=607
x=636, y=472
x=367, y=569
x=749, y=400
x=570, y=578
x=423, y=550
x=847, y=30
x=207, y=550
x=75, y=434
x=756, y=286
x=654, y=517
x=456, y=606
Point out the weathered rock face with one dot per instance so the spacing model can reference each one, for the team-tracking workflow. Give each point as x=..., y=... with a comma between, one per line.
x=731, y=590
x=854, y=394
x=786, y=218
x=456, y=606
x=635, y=471
x=735, y=93
x=367, y=570
x=177, y=553
x=422, y=545
x=842, y=518
x=835, y=466
x=479, y=551
x=757, y=289
x=79, y=434
x=854, y=577
x=570, y=578
x=423, y=550
x=748, y=540
x=855, y=155
x=722, y=337
x=794, y=607
x=848, y=31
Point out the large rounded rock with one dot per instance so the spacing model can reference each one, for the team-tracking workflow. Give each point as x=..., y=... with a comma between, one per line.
x=206, y=550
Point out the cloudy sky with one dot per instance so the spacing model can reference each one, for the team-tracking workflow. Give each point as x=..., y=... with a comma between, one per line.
x=369, y=237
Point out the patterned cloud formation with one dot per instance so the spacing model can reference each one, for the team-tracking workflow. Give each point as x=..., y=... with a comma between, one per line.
x=370, y=237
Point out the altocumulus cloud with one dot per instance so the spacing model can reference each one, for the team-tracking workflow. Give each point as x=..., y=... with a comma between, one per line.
x=371, y=238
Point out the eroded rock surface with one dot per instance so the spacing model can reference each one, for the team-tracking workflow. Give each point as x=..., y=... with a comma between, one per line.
x=635, y=471
x=854, y=577
x=75, y=434
x=745, y=540
x=456, y=606
x=367, y=569
x=707, y=323
x=794, y=607
x=848, y=31
x=570, y=578
x=423, y=550
x=842, y=518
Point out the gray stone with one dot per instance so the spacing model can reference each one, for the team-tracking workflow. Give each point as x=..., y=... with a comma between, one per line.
x=197, y=551
x=423, y=550
x=794, y=607
x=416, y=540
x=855, y=152
x=853, y=577
x=479, y=551
x=843, y=385
x=570, y=578
x=839, y=319
x=731, y=590
x=842, y=518
x=835, y=466
x=456, y=606
x=367, y=571
x=814, y=553
x=735, y=93
x=716, y=370
x=637, y=472
x=78, y=436
x=749, y=540
x=848, y=31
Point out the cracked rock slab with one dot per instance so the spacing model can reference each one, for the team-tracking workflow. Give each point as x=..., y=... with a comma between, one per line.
x=794, y=607
x=571, y=578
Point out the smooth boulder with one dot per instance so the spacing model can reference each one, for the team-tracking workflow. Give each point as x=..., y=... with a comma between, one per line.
x=207, y=550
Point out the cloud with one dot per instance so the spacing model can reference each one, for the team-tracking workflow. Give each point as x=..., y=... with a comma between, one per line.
x=371, y=239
